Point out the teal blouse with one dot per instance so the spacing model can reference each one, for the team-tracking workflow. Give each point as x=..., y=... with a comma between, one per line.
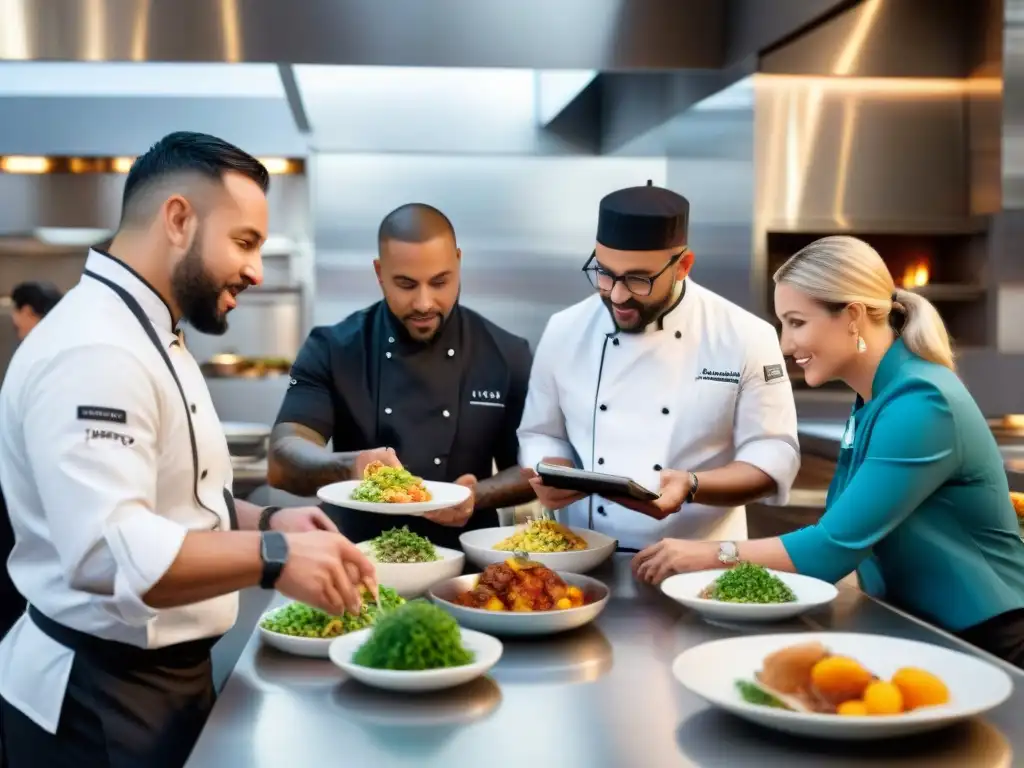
x=919, y=504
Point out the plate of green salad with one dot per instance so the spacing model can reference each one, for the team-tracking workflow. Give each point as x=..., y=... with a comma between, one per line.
x=393, y=491
x=302, y=630
x=409, y=563
x=748, y=592
x=416, y=647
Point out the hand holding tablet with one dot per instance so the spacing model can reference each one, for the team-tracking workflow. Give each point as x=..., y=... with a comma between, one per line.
x=585, y=483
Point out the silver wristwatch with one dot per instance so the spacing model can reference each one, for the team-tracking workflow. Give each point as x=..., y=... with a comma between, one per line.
x=728, y=553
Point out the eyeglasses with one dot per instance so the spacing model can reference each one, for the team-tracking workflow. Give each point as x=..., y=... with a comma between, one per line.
x=638, y=285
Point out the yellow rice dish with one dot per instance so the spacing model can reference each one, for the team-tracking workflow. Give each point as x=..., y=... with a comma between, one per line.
x=542, y=536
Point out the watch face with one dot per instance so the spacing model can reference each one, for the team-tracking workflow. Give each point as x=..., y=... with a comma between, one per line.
x=275, y=548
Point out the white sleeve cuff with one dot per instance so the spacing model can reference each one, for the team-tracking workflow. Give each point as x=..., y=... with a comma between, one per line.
x=535, y=448
x=776, y=458
x=143, y=545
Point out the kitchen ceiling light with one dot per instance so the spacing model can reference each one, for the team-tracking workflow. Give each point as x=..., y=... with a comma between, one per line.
x=24, y=164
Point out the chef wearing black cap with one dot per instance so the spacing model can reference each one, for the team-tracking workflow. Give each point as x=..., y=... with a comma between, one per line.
x=414, y=379
x=658, y=379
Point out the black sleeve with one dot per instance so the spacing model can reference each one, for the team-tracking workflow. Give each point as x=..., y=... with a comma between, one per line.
x=309, y=400
x=506, y=452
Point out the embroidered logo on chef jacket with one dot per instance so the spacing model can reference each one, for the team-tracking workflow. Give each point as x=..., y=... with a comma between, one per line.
x=106, y=434
x=100, y=413
x=774, y=373
x=726, y=377
x=486, y=397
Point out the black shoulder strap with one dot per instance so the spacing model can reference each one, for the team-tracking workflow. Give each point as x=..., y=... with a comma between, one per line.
x=147, y=326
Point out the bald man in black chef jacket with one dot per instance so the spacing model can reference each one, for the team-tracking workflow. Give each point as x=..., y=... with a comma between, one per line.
x=415, y=378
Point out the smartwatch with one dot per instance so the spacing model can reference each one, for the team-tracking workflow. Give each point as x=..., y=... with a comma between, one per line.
x=265, y=516
x=274, y=554
x=728, y=553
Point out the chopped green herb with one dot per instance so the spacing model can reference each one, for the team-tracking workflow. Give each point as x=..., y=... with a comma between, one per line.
x=400, y=545
x=301, y=620
x=416, y=636
x=748, y=583
x=753, y=694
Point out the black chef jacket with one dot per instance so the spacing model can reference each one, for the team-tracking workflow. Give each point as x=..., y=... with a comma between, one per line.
x=448, y=408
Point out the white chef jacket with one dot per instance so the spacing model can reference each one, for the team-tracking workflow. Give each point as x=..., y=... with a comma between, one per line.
x=705, y=386
x=96, y=465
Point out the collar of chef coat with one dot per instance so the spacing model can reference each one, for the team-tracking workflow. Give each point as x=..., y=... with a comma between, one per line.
x=673, y=320
x=152, y=303
x=397, y=334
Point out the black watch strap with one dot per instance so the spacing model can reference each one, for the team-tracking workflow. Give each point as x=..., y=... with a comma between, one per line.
x=265, y=516
x=694, y=485
x=274, y=554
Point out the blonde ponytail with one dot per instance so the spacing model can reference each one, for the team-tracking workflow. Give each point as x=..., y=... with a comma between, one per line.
x=923, y=331
x=841, y=270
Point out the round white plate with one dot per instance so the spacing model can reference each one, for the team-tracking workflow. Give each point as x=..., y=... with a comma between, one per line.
x=478, y=548
x=487, y=651
x=444, y=495
x=413, y=579
x=685, y=588
x=522, y=624
x=314, y=647
x=975, y=686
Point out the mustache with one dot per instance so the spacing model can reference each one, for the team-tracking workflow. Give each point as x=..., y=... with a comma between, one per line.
x=416, y=316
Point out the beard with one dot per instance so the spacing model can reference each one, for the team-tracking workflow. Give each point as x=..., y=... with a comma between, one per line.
x=197, y=293
x=647, y=313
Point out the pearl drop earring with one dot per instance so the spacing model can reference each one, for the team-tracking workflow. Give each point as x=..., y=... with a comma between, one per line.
x=862, y=347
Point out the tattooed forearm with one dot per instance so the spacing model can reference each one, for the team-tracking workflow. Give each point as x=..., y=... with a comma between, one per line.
x=508, y=488
x=300, y=463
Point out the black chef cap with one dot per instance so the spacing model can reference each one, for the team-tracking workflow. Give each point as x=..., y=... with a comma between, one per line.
x=643, y=219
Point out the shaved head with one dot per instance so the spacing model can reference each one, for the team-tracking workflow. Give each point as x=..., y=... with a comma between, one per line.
x=418, y=268
x=414, y=223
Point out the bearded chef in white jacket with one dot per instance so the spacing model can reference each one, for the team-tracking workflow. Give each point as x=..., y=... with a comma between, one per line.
x=660, y=380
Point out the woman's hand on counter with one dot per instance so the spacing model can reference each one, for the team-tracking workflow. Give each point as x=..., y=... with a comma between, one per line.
x=301, y=519
x=671, y=556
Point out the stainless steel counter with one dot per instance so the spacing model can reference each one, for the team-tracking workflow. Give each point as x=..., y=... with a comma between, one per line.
x=602, y=697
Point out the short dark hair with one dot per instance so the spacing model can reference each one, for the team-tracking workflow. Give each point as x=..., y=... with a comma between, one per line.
x=40, y=297
x=414, y=223
x=186, y=152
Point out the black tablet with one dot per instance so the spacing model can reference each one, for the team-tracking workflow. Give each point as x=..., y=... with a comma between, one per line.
x=609, y=486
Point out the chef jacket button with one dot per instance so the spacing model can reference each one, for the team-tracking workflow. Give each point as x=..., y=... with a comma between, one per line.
x=387, y=411
x=205, y=473
x=600, y=461
x=387, y=354
x=679, y=334
x=615, y=342
x=391, y=339
x=193, y=407
x=451, y=353
x=604, y=407
x=600, y=511
x=446, y=413
x=437, y=461
x=657, y=467
x=665, y=411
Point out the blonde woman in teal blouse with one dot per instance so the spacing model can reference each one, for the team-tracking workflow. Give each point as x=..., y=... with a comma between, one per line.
x=919, y=505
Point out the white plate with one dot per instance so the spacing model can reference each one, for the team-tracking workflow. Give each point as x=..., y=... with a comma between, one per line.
x=522, y=624
x=444, y=495
x=975, y=686
x=810, y=593
x=314, y=647
x=478, y=548
x=487, y=651
x=413, y=579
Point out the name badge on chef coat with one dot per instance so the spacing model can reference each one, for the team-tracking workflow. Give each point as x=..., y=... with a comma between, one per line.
x=848, y=433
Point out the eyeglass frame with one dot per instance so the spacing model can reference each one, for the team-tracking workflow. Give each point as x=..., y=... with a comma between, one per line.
x=622, y=278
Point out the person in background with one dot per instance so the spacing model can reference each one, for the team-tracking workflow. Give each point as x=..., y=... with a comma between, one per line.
x=919, y=505
x=118, y=478
x=660, y=380
x=414, y=379
x=32, y=300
